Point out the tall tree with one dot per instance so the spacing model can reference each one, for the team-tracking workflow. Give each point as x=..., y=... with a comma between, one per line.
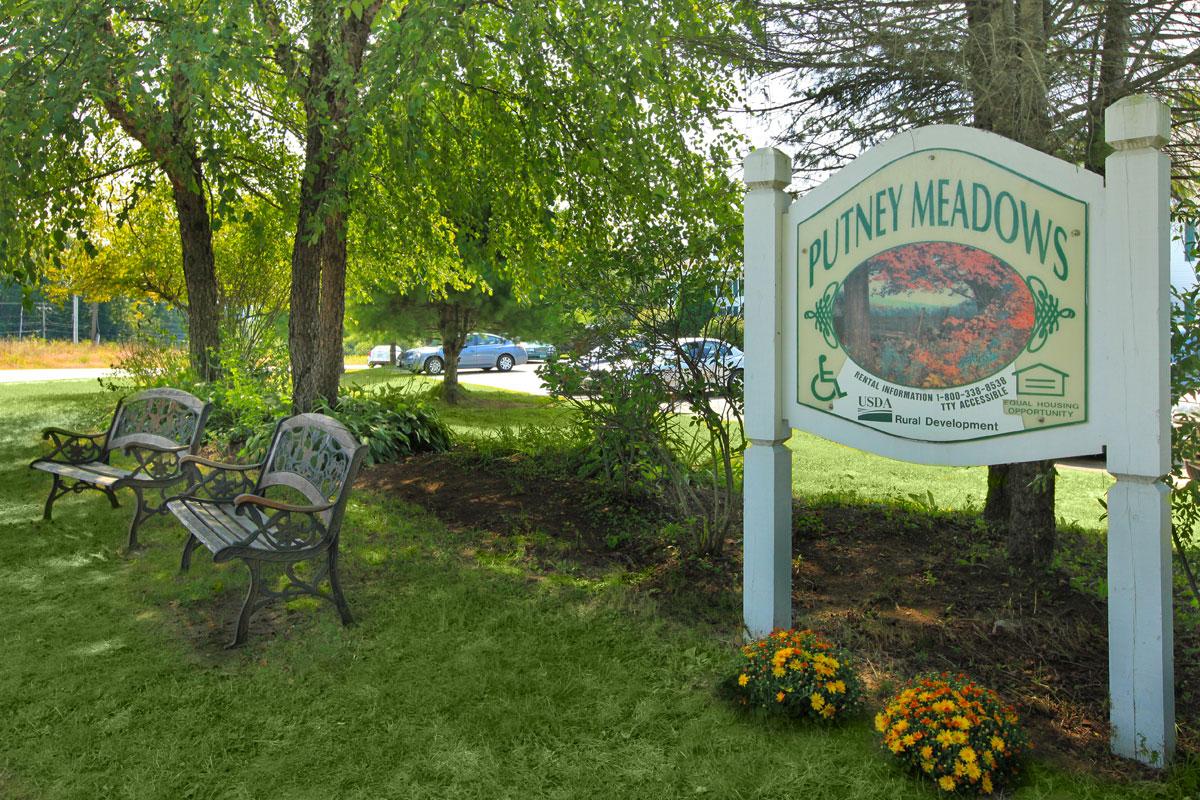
x=533, y=138
x=81, y=82
x=321, y=60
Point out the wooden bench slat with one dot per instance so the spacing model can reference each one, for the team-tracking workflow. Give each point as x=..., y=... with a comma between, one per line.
x=213, y=524
x=94, y=472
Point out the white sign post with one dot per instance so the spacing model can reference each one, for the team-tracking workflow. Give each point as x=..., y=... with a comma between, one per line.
x=953, y=297
x=1141, y=674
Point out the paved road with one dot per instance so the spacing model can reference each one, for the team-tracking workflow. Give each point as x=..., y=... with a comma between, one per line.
x=521, y=379
x=40, y=375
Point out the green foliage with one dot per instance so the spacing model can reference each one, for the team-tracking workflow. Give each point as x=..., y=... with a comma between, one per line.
x=393, y=421
x=950, y=730
x=797, y=673
x=623, y=413
x=1185, y=434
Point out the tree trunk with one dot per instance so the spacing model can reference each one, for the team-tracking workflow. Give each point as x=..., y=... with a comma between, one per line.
x=1111, y=86
x=319, y=251
x=453, y=324
x=200, y=276
x=95, y=331
x=1031, y=534
x=856, y=320
x=1006, y=59
x=996, y=508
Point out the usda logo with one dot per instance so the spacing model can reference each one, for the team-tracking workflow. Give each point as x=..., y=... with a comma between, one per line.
x=874, y=409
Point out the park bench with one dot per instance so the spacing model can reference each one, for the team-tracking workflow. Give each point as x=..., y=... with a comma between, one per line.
x=251, y=511
x=152, y=429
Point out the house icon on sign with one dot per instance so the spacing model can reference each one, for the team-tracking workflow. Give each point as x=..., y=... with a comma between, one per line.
x=1041, y=379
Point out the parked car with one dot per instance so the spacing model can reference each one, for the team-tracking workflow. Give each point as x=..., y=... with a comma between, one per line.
x=539, y=351
x=381, y=355
x=722, y=364
x=481, y=351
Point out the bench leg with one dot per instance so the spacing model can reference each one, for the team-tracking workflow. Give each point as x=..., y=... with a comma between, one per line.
x=335, y=584
x=185, y=563
x=248, y=606
x=140, y=515
x=112, y=498
x=54, y=495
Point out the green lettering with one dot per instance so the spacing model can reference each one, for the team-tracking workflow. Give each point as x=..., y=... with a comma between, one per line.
x=976, y=205
x=1060, y=238
x=825, y=250
x=862, y=223
x=922, y=206
x=814, y=255
x=943, y=202
x=894, y=195
x=1033, y=231
x=1012, y=214
x=846, y=228
x=880, y=230
x=960, y=205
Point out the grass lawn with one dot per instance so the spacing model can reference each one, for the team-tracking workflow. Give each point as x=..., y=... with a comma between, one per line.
x=465, y=677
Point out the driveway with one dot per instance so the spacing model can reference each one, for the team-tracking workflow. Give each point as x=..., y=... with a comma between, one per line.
x=40, y=375
x=522, y=378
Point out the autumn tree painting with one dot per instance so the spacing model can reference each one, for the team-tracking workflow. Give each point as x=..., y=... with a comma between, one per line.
x=933, y=314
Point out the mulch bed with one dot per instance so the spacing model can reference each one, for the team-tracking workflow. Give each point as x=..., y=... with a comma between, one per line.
x=906, y=592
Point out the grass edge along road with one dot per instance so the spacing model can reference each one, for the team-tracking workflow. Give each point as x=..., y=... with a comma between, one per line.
x=466, y=677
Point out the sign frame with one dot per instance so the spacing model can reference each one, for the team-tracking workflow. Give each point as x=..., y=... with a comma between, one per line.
x=1080, y=438
x=1128, y=392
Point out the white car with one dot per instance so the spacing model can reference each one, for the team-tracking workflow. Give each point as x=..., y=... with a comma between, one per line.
x=381, y=355
x=721, y=363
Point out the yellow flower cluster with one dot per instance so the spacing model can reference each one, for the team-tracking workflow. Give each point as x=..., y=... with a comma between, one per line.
x=798, y=672
x=953, y=731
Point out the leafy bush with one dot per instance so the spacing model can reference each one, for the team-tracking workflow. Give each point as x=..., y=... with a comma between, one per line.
x=1185, y=433
x=254, y=392
x=797, y=673
x=392, y=421
x=954, y=732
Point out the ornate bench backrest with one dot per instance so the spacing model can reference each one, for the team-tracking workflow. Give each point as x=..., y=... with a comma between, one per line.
x=316, y=456
x=160, y=418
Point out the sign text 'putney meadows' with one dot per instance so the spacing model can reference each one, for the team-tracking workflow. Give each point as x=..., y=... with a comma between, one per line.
x=948, y=295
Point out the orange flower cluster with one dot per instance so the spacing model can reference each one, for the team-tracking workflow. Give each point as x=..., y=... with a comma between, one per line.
x=953, y=731
x=798, y=673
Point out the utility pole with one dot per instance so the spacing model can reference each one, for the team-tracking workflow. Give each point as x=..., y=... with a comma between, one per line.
x=74, y=319
x=21, y=321
x=43, y=320
x=95, y=323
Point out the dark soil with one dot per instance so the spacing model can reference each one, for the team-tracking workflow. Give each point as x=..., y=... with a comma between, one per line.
x=904, y=590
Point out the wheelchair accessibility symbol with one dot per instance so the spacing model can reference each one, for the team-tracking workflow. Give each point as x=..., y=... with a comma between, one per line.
x=826, y=378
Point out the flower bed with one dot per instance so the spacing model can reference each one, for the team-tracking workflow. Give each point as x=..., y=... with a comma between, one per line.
x=953, y=731
x=798, y=673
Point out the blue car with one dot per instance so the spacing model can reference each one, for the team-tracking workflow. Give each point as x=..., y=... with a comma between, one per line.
x=481, y=351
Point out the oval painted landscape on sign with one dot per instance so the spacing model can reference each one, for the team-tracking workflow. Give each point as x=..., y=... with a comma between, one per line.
x=933, y=314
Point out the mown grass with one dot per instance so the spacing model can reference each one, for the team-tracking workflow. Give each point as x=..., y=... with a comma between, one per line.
x=463, y=679
x=46, y=354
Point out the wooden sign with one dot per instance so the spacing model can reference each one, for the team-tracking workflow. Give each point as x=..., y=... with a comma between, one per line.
x=952, y=297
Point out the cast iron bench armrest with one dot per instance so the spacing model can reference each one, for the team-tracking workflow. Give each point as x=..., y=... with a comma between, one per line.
x=74, y=447
x=277, y=529
x=152, y=468
x=208, y=462
x=215, y=480
x=266, y=502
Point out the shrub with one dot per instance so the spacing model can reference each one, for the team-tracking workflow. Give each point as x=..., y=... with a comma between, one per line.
x=797, y=673
x=392, y=421
x=954, y=732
